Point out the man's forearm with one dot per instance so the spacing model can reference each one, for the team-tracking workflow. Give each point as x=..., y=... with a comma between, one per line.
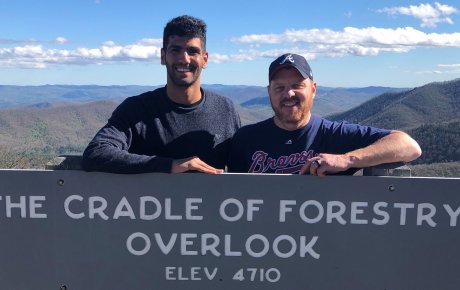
x=395, y=147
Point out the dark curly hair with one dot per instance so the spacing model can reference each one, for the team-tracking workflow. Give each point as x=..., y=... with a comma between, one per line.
x=185, y=25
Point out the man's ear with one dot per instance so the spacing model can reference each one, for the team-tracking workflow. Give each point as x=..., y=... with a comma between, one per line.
x=313, y=88
x=163, y=57
x=205, y=57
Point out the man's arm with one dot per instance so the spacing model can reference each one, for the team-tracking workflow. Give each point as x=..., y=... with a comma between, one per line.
x=394, y=147
x=107, y=153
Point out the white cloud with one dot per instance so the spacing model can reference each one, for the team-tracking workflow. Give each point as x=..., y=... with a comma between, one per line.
x=151, y=41
x=444, y=69
x=311, y=43
x=429, y=72
x=429, y=15
x=351, y=41
x=453, y=68
x=36, y=56
x=137, y=51
x=455, y=65
x=381, y=37
x=61, y=40
x=439, y=72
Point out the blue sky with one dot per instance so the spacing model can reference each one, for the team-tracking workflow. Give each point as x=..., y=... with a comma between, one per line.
x=349, y=43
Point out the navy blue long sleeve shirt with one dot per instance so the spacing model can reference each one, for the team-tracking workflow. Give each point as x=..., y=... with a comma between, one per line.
x=147, y=132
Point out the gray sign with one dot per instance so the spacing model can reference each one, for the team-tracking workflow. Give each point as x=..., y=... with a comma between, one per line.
x=84, y=231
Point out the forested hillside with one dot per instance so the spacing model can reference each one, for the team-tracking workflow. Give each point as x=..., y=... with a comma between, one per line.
x=35, y=133
x=440, y=142
x=432, y=103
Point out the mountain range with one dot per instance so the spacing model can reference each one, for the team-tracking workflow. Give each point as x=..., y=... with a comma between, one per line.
x=252, y=101
x=255, y=97
x=51, y=120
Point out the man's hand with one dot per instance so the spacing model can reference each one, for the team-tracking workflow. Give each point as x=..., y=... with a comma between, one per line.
x=193, y=164
x=325, y=164
x=394, y=147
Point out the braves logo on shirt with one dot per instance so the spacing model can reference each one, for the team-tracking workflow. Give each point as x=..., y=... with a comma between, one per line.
x=262, y=163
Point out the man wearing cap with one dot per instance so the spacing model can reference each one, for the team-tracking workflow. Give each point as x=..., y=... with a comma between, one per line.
x=295, y=141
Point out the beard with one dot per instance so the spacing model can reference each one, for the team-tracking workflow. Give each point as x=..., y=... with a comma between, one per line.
x=293, y=116
x=178, y=79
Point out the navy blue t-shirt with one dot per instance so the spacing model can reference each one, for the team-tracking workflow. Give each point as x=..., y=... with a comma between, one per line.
x=265, y=148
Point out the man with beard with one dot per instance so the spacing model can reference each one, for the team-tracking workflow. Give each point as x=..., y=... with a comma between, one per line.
x=295, y=141
x=180, y=127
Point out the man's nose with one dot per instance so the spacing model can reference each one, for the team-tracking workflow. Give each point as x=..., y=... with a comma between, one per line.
x=290, y=93
x=185, y=56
